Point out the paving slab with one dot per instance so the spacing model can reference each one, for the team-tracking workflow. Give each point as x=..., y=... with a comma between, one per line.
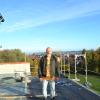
x=65, y=90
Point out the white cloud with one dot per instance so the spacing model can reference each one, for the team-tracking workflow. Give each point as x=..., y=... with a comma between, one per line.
x=62, y=12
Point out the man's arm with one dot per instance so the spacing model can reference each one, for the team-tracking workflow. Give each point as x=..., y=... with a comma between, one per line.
x=57, y=67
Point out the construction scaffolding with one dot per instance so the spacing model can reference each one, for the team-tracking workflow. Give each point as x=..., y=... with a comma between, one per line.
x=66, y=68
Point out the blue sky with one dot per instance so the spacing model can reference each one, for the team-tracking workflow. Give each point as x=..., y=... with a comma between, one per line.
x=33, y=25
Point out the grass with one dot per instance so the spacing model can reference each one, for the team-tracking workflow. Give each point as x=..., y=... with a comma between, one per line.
x=92, y=79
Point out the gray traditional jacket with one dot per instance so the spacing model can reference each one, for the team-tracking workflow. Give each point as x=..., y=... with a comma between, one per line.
x=54, y=66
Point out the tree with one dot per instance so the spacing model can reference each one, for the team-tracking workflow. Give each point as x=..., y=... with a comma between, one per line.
x=36, y=62
x=97, y=59
x=83, y=51
x=90, y=60
x=93, y=59
x=1, y=18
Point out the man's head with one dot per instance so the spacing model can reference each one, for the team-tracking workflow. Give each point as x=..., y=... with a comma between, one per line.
x=49, y=50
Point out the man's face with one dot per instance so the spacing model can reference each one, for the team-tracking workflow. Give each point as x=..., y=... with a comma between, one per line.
x=49, y=51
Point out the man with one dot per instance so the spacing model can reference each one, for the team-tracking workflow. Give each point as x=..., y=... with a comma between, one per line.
x=49, y=72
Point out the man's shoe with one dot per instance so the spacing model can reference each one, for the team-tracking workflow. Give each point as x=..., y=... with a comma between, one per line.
x=53, y=98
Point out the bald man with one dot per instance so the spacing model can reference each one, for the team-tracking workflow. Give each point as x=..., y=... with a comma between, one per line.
x=49, y=72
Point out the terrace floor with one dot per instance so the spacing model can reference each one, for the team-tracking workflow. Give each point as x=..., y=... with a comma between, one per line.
x=65, y=90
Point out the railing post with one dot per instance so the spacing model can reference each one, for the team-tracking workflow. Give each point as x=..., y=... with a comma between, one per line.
x=26, y=91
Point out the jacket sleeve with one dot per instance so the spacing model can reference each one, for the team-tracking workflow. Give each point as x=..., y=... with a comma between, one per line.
x=57, y=68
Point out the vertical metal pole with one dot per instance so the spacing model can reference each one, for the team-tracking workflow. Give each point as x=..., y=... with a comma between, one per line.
x=75, y=67
x=25, y=82
x=61, y=63
x=68, y=66
x=0, y=50
x=69, y=70
x=25, y=57
x=64, y=65
x=85, y=66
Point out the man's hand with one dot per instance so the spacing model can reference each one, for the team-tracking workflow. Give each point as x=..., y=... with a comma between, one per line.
x=55, y=78
x=41, y=79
